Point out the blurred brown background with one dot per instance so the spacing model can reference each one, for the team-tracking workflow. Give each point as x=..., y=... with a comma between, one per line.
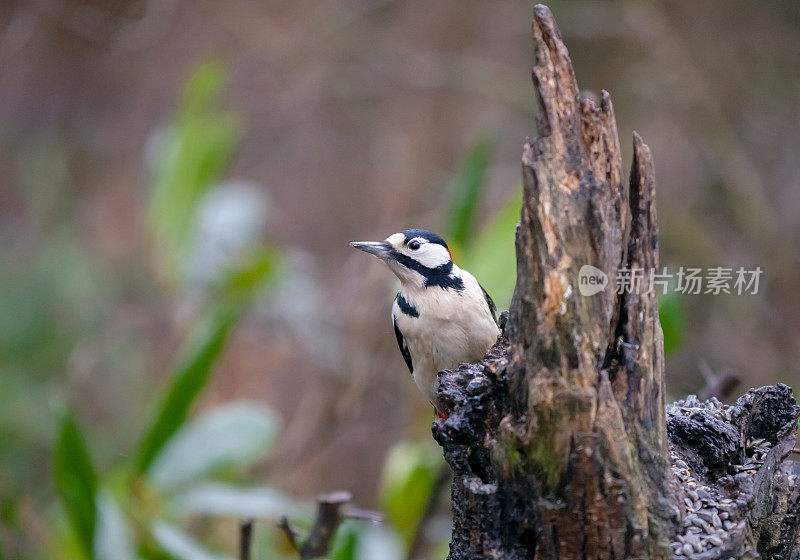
x=354, y=116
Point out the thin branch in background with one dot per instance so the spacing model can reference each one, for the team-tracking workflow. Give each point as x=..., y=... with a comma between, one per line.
x=290, y=532
x=373, y=517
x=719, y=384
x=332, y=509
x=329, y=516
x=245, y=539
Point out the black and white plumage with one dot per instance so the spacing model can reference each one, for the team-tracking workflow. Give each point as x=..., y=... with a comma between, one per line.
x=441, y=315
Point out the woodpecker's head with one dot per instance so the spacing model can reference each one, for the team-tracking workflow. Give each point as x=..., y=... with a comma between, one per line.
x=418, y=257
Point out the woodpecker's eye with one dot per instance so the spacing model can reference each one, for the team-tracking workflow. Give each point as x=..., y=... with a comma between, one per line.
x=413, y=245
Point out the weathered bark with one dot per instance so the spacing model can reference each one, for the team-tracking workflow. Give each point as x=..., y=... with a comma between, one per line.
x=558, y=439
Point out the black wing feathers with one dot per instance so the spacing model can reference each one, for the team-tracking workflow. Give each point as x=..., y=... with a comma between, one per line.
x=403, y=348
x=490, y=303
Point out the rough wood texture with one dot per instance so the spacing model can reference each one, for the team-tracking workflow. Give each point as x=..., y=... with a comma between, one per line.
x=741, y=498
x=558, y=439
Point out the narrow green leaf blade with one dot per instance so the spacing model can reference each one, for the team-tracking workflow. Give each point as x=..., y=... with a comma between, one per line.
x=673, y=321
x=238, y=285
x=345, y=543
x=188, y=380
x=192, y=373
x=76, y=482
x=493, y=258
x=470, y=182
x=194, y=151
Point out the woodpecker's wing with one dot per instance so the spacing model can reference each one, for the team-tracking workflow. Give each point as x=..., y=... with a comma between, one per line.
x=401, y=342
x=490, y=303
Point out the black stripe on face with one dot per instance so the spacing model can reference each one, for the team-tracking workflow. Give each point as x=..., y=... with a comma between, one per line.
x=406, y=307
x=439, y=276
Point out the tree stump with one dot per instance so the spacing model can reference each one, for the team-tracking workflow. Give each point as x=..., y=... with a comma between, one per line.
x=559, y=439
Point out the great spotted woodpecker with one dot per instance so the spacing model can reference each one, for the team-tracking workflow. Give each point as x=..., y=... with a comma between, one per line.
x=441, y=315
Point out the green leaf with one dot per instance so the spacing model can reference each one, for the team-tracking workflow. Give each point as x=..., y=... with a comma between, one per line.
x=408, y=478
x=493, y=258
x=673, y=322
x=188, y=380
x=239, y=284
x=76, y=482
x=345, y=543
x=193, y=154
x=193, y=371
x=234, y=434
x=470, y=182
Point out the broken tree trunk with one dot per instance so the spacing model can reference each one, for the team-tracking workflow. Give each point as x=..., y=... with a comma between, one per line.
x=559, y=438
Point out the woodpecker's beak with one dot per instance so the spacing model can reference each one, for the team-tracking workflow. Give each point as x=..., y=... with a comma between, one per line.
x=381, y=249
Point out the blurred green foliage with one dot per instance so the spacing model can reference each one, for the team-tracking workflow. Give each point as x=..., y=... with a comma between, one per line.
x=673, y=322
x=135, y=509
x=470, y=180
x=76, y=482
x=198, y=144
x=181, y=471
x=346, y=546
x=487, y=252
x=409, y=474
x=192, y=155
x=183, y=467
x=189, y=379
x=493, y=258
x=49, y=300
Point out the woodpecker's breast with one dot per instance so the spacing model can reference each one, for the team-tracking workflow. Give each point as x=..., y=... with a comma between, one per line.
x=442, y=328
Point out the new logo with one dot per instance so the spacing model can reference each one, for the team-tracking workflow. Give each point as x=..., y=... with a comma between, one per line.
x=591, y=280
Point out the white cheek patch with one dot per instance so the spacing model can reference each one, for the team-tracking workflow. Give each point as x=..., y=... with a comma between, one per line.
x=431, y=255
